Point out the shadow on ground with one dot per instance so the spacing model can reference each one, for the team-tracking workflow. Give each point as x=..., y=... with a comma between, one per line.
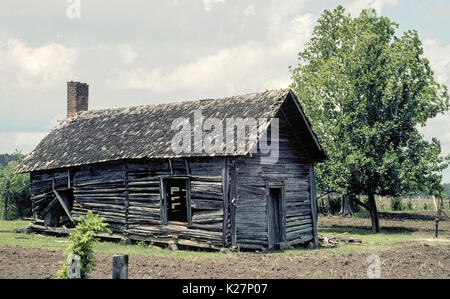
x=366, y=230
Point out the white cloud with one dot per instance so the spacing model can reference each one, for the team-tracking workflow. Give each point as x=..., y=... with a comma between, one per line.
x=355, y=6
x=26, y=66
x=128, y=54
x=24, y=141
x=249, y=11
x=439, y=59
x=440, y=64
x=207, y=4
x=251, y=66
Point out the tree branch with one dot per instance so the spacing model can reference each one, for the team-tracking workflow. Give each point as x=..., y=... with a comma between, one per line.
x=323, y=195
x=361, y=203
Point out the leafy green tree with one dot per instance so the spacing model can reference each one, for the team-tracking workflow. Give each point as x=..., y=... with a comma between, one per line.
x=19, y=203
x=6, y=158
x=367, y=92
x=82, y=240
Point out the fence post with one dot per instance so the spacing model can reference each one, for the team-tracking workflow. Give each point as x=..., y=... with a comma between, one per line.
x=5, y=210
x=74, y=269
x=120, y=267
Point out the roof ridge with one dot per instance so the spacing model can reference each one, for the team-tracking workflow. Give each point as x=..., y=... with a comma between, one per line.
x=175, y=103
x=138, y=131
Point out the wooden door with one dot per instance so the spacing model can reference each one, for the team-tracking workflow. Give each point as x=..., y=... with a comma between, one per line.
x=275, y=216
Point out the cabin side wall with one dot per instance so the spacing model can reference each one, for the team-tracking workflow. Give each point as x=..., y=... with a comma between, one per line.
x=253, y=180
x=129, y=194
x=206, y=199
x=102, y=188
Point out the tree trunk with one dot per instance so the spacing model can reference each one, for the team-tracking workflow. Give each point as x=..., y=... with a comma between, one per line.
x=374, y=213
x=346, y=206
x=323, y=204
x=5, y=208
x=329, y=204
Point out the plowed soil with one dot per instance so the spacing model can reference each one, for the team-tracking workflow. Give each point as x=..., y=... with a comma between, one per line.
x=420, y=258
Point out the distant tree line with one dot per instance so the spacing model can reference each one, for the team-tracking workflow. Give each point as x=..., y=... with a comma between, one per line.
x=447, y=190
x=6, y=158
x=19, y=203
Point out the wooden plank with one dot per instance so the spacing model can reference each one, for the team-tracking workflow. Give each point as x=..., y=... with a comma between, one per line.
x=225, y=182
x=202, y=204
x=64, y=204
x=188, y=202
x=233, y=204
x=162, y=192
x=305, y=120
x=186, y=163
x=171, y=166
x=269, y=216
x=312, y=182
x=300, y=143
x=48, y=207
x=283, y=211
x=127, y=201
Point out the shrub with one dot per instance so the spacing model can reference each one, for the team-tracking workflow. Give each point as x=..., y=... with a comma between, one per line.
x=82, y=240
x=396, y=204
x=19, y=203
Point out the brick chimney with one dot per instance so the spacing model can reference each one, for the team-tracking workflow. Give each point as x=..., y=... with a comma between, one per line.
x=77, y=98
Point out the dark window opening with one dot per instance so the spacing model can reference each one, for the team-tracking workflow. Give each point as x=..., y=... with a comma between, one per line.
x=54, y=214
x=176, y=197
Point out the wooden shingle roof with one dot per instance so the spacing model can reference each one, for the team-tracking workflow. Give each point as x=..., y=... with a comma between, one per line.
x=142, y=132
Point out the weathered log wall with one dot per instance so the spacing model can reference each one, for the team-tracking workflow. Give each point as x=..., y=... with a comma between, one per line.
x=251, y=193
x=43, y=200
x=129, y=195
x=205, y=197
x=102, y=188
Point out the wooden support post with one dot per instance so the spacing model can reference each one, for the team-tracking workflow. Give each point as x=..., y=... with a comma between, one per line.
x=68, y=179
x=64, y=204
x=225, y=198
x=233, y=203
x=5, y=210
x=188, y=203
x=127, y=198
x=171, y=166
x=313, y=199
x=269, y=213
x=186, y=164
x=438, y=216
x=74, y=269
x=120, y=267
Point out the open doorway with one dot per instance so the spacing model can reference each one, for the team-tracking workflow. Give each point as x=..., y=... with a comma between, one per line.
x=276, y=215
x=57, y=213
x=177, y=206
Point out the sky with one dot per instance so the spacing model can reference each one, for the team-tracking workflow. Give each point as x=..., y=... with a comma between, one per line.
x=158, y=51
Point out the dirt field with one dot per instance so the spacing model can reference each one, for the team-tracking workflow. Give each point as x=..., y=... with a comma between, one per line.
x=412, y=261
x=405, y=247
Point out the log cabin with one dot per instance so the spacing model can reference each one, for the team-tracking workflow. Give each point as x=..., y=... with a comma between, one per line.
x=120, y=163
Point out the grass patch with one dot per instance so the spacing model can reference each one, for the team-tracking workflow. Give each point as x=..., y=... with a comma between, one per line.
x=9, y=238
x=8, y=226
x=371, y=243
